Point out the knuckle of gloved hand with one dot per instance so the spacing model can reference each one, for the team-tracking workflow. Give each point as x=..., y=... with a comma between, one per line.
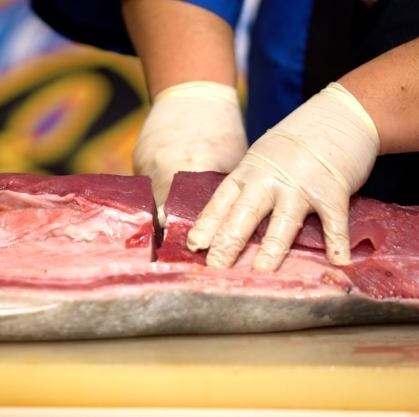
x=203, y=224
x=326, y=191
x=222, y=194
x=335, y=217
x=272, y=244
x=287, y=217
x=220, y=257
x=228, y=240
x=246, y=209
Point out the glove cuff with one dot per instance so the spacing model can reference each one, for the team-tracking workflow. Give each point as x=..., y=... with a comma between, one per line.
x=342, y=94
x=201, y=89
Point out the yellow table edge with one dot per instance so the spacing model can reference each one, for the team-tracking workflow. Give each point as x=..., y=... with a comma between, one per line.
x=213, y=386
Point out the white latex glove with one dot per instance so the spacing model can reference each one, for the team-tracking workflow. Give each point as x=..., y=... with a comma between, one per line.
x=195, y=126
x=313, y=160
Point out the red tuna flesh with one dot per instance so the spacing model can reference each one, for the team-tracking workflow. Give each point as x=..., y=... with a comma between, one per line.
x=77, y=262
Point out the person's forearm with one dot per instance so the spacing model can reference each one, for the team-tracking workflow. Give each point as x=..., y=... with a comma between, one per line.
x=388, y=88
x=179, y=42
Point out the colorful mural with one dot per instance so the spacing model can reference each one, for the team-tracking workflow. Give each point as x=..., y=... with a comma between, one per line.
x=64, y=107
x=68, y=108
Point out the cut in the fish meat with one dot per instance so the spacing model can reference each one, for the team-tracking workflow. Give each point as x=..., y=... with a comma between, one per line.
x=76, y=255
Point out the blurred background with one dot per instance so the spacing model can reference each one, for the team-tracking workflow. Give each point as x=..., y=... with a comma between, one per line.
x=71, y=108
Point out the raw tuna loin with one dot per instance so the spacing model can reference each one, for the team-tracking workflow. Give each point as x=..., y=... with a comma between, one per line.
x=76, y=255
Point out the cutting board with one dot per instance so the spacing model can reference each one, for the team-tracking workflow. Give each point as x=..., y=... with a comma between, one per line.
x=353, y=368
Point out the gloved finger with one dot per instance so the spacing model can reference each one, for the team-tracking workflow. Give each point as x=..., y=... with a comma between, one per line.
x=161, y=215
x=334, y=220
x=286, y=220
x=161, y=187
x=245, y=215
x=201, y=234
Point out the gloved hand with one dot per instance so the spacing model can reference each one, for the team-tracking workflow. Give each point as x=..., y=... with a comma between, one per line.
x=313, y=160
x=195, y=126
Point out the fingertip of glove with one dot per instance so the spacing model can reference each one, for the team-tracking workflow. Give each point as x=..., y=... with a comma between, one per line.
x=266, y=263
x=196, y=240
x=161, y=215
x=191, y=244
x=339, y=256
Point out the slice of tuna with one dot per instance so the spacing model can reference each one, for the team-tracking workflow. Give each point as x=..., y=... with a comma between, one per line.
x=73, y=228
x=381, y=285
x=61, y=234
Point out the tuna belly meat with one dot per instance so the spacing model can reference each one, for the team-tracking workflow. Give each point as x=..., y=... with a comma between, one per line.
x=63, y=237
x=381, y=285
x=51, y=240
x=70, y=230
